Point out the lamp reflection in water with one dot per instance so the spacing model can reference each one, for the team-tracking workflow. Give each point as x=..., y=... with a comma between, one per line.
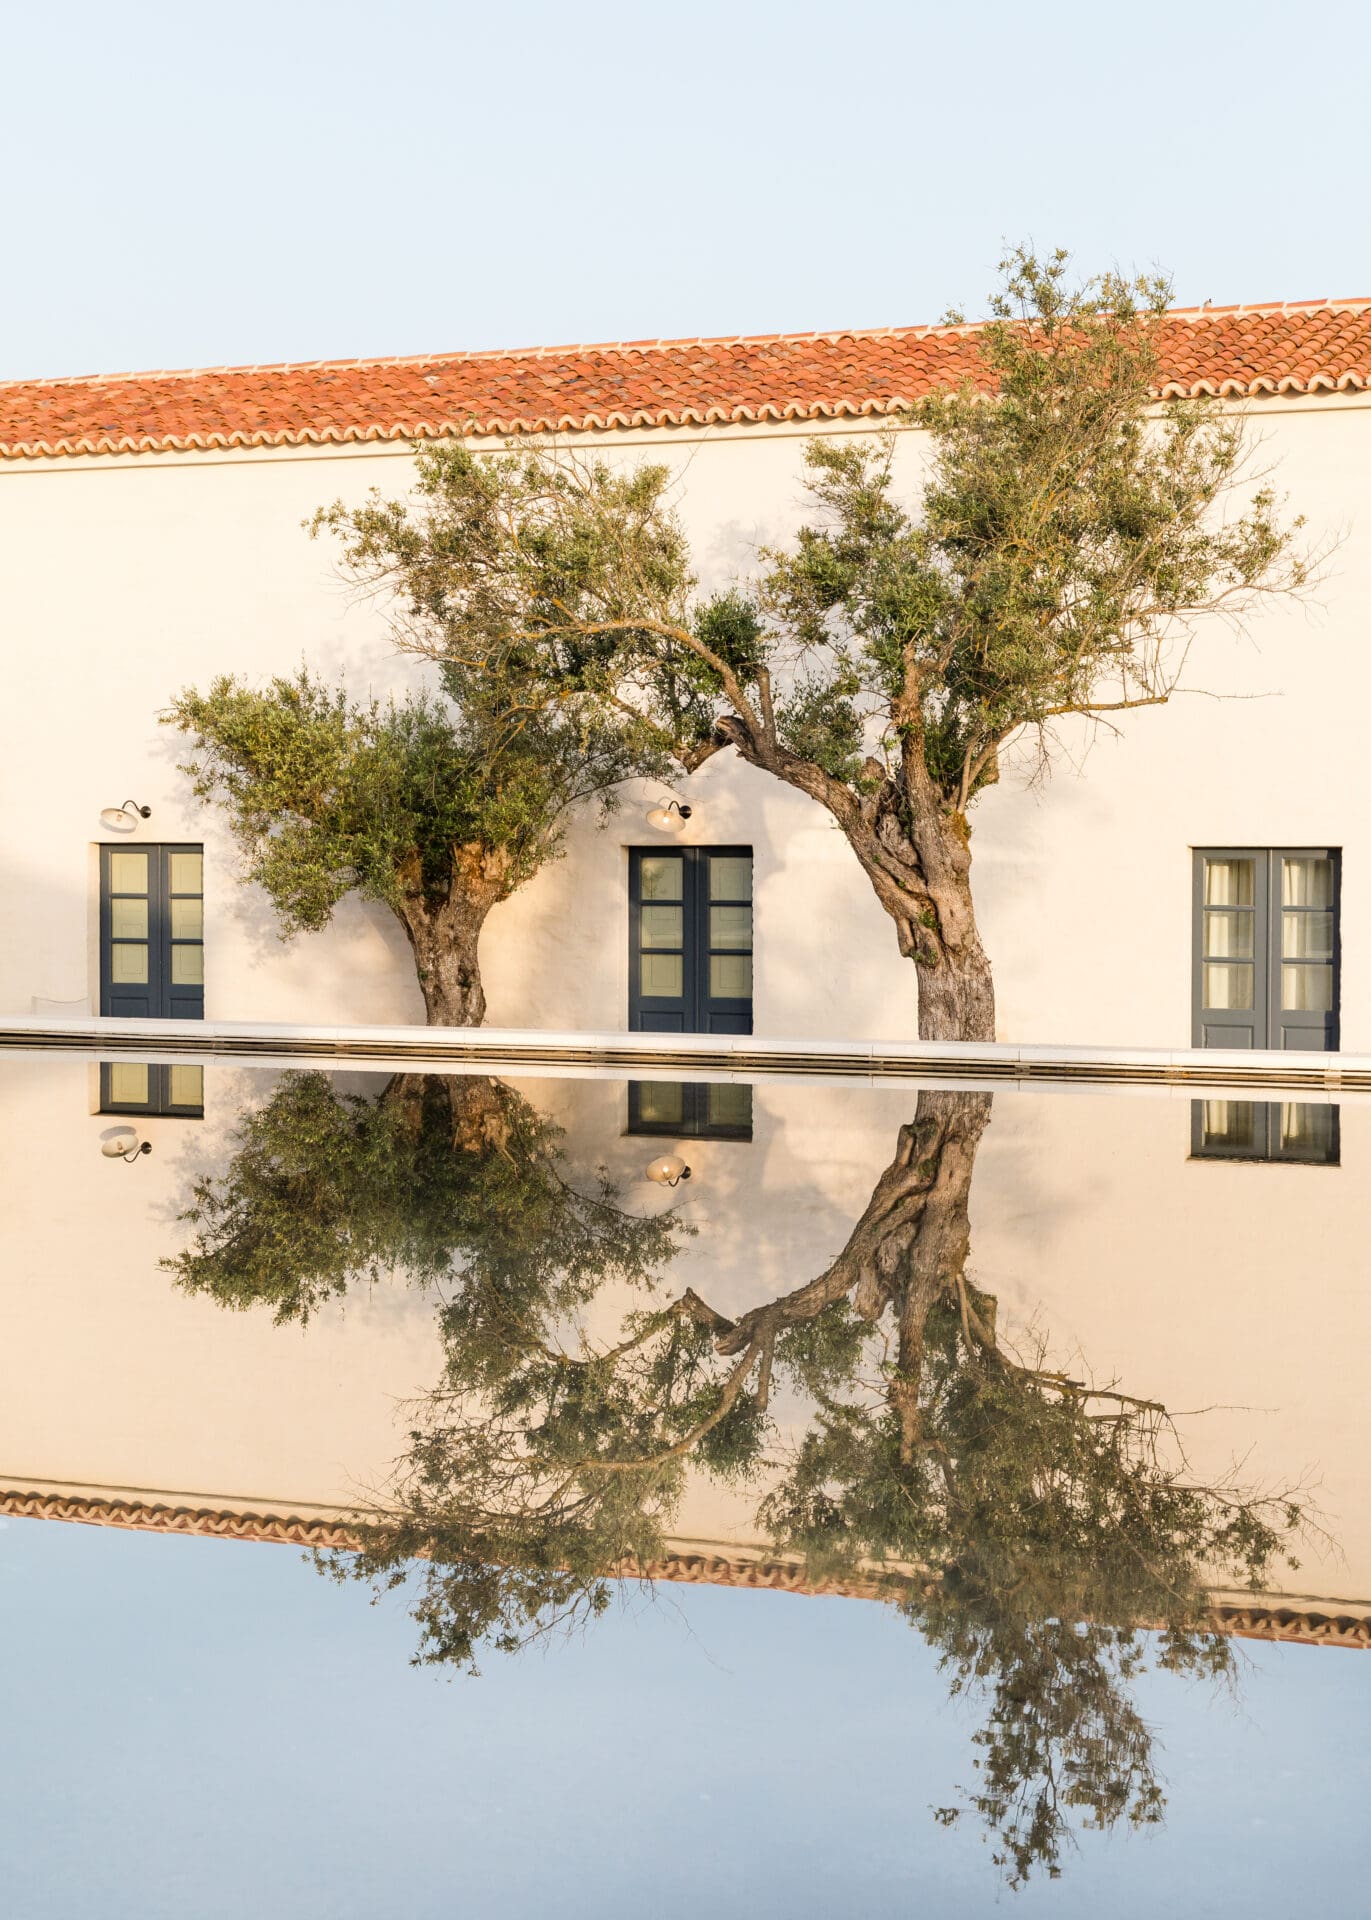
x=122, y=1143
x=123, y=818
x=668, y=1170
x=669, y=818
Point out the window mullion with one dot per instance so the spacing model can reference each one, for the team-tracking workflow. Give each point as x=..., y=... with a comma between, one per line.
x=696, y=938
x=1270, y=947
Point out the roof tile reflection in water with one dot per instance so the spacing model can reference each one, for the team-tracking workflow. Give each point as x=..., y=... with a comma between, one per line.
x=934, y=1348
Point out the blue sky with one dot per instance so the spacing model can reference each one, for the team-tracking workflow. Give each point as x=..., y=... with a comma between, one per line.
x=210, y=184
x=208, y=1728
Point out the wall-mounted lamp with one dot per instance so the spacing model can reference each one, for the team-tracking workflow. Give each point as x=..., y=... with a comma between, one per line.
x=661, y=817
x=122, y=1143
x=668, y=1170
x=123, y=817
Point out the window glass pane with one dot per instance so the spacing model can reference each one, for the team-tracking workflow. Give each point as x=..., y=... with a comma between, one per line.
x=128, y=919
x=1228, y=936
x=187, y=873
x=730, y=1106
x=1306, y=1128
x=128, y=1084
x=187, y=919
x=188, y=966
x=661, y=927
x=730, y=926
x=1228, y=883
x=661, y=1103
x=1307, y=883
x=128, y=873
x=1307, y=989
x=1307, y=936
x=730, y=976
x=660, y=876
x=730, y=876
x=660, y=975
x=1230, y=1123
x=1228, y=987
x=187, y=1088
x=128, y=965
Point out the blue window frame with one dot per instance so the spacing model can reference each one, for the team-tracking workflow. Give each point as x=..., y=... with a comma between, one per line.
x=152, y=967
x=1267, y=947
x=152, y=952
x=690, y=940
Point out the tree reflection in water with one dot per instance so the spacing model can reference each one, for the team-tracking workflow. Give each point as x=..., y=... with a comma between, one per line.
x=1037, y=1524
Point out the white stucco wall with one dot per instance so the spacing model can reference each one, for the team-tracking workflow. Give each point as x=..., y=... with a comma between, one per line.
x=1236, y=1288
x=122, y=579
x=1084, y=890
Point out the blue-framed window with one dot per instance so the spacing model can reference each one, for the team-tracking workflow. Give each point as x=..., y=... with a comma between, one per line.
x=1267, y=947
x=690, y=940
x=152, y=932
x=152, y=967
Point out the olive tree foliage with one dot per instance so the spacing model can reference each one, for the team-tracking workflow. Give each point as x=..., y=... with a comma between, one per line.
x=1069, y=538
x=440, y=805
x=436, y=811
x=453, y=1184
x=528, y=1489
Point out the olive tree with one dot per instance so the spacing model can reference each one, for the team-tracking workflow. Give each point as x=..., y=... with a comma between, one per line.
x=441, y=804
x=1069, y=536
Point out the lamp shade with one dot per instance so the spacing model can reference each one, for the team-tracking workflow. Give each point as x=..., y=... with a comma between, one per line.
x=668, y=1170
x=123, y=819
x=121, y=1143
x=668, y=816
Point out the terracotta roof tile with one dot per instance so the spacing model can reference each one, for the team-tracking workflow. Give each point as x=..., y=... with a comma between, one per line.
x=1232, y=352
x=1327, y=1624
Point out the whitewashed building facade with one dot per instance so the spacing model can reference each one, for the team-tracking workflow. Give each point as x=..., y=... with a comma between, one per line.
x=151, y=536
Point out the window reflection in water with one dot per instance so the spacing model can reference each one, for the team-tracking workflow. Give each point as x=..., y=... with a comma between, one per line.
x=696, y=1111
x=1302, y=1131
x=128, y=1086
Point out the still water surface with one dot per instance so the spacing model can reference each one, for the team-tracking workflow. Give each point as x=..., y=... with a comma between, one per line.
x=943, y=1487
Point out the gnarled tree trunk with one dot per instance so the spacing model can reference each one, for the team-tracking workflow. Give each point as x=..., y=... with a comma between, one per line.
x=910, y=1247
x=915, y=849
x=446, y=959
x=956, y=991
x=446, y=935
x=475, y=1110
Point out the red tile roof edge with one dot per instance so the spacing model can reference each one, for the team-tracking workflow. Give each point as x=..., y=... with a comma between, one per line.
x=1354, y=304
x=1262, y=1617
x=1234, y=352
